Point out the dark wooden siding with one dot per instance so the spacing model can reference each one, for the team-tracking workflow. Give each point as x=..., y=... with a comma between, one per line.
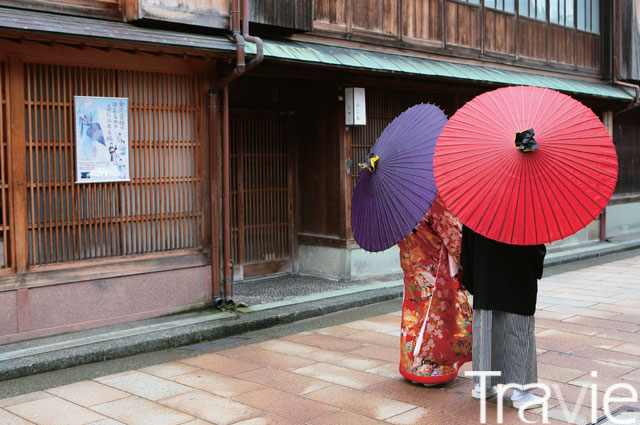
x=562, y=45
x=629, y=22
x=500, y=36
x=463, y=24
x=532, y=39
x=378, y=16
x=319, y=177
x=626, y=137
x=588, y=51
x=331, y=14
x=292, y=14
x=462, y=29
x=422, y=20
x=104, y=9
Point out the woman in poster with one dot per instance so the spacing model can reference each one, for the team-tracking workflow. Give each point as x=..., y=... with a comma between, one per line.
x=436, y=316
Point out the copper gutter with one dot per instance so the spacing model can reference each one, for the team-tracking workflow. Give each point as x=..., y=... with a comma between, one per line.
x=239, y=37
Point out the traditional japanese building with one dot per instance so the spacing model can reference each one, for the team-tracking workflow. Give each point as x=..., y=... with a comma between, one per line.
x=82, y=250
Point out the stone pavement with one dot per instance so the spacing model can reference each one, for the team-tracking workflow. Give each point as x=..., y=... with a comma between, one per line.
x=587, y=320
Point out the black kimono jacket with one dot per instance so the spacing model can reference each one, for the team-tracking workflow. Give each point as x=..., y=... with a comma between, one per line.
x=501, y=276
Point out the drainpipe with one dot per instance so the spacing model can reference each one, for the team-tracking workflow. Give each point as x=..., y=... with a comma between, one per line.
x=223, y=84
x=256, y=40
x=213, y=199
x=614, y=65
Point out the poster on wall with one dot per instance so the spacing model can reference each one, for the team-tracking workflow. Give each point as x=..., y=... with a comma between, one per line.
x=102, y=139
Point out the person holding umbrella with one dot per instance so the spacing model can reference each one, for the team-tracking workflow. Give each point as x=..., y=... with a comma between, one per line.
x=395, y=202
x=519, y=167
x=503, y=280
x=436, y=316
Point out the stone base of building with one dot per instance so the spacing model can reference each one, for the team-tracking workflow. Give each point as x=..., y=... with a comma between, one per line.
x=49, y=310
x=347, y=263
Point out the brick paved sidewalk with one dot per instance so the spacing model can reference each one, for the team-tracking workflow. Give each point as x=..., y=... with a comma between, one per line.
x=587, y=320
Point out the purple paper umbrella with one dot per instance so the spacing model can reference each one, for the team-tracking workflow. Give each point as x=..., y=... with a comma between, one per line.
x=396, y=186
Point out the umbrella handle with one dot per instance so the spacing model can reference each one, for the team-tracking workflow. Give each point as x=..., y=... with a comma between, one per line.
x=416, y=350
x=525, y=142
x=370, y=164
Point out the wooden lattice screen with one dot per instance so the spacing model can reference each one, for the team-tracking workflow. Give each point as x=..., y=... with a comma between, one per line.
x=5, y=225
x=261, y=187
x=160, y=209
x=382, y=106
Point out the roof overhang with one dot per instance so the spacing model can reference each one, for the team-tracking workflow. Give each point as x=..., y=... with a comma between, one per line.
x=305, y=52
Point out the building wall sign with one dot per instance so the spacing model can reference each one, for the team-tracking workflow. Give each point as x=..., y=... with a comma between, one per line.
x=102, y=139
x=355, y=112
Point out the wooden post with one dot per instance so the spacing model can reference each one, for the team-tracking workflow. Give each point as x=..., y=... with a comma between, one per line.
x=17, y=153
x=607, y=119
x=345, y=173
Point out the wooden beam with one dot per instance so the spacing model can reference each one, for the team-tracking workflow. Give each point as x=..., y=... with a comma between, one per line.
x=88, y=270
x=345, y=174
x=17, y=153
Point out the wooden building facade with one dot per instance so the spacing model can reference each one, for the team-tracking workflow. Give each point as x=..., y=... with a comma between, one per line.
x=76, y=256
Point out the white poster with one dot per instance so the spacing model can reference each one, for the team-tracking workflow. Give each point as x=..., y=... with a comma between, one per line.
x=102, y=139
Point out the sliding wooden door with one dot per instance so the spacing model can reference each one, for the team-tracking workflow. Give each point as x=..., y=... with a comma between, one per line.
x=261, y=192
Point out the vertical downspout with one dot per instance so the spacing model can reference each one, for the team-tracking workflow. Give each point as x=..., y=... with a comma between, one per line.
x=240, y=68
x=213, y=198
x=256, y=40
x=226, y=200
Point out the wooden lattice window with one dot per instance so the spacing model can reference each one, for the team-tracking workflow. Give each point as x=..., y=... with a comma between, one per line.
x=5, y=192
x=160, y=209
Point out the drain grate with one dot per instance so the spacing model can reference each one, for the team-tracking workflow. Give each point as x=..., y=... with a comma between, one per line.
x=625, y=412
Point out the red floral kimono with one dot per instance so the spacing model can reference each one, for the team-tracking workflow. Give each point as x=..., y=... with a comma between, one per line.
x=432, y=351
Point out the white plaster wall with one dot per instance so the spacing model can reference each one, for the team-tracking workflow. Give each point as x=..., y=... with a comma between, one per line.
x=623, y=219
x=324, y=261
x=339, y=263
x=370, y=264
x=588, y=234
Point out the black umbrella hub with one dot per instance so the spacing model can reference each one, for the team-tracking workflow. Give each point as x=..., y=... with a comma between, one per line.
x=525, y=142
x=370, y=163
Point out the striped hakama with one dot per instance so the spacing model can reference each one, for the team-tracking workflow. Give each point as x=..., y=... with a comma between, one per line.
x=504, y=342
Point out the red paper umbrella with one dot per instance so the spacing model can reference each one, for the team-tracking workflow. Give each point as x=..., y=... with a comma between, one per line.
x=525, y=165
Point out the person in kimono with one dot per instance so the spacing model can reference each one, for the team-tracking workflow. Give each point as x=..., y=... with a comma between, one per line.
x=503, y=280
x=436, y=316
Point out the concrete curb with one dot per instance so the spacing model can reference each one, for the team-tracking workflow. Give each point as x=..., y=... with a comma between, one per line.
x=191, y=334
